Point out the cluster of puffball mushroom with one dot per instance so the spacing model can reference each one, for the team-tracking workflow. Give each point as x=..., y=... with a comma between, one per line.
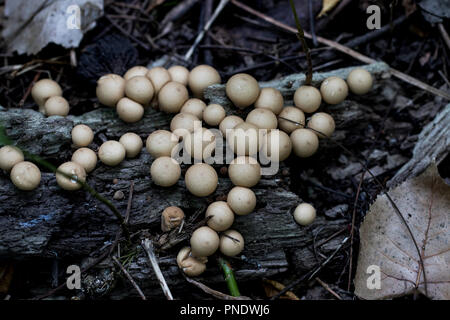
x=48, y=96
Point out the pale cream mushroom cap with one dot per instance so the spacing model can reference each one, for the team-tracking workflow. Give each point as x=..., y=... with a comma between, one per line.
x=293, y=114
x=82, y=135
x=86, y=158
x=200, y=144
x=243, y=139
x=244, y=171
x=322, y=123
x=160, y=143
x=10, y=156
x=202, y=77
x=214, y=114
x=191, y=266
x=172, y=96
x=132, y=144
x=201, y=179
x=44, y=89
x=111, y=153
x=194, y=106
x=110, y=89
x=231, y=247
x=179, y=74
x=140, y=90
x=77, y=173
x=262, y=118
x=242, y=89
x=137, y=71
x=165, y=171
x=241, y=200
x=276, y=146
x=184, y=123
x=360, y=81
x=222, y=216
x=25, y=176
x=270, y=98
x=334, y=90
x=159, y=76
x=204, y=242
x=171, y=218
x=229, y=123
x=307, y=98
x=304, y=214
x=129, y=111
x=304, y=142
x=56, y=106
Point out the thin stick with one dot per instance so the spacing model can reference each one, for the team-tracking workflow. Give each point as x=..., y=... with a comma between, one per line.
x=327, y=287
x=27, y=93
x=444, y=34
x=130, y=278
x=148, y=247
x=214, y=293
x=229, y=277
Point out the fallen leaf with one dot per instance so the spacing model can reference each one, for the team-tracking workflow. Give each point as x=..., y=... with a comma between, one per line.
x=272, y=288
x=327, y=5
x=424, y=202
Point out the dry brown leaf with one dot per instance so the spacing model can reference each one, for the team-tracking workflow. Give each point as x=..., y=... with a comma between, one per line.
x=424, y=201
x=272, y=287
x=327, y=5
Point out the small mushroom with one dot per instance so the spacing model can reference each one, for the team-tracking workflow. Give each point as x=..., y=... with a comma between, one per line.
x=241, y=200
x=304, y=214
x=44, y=89
x=194, y=106
x=359, y=81
x=10, y=156
x=56, y=106
x=231, y=243
x=200, y=144
x=243, y=139
x=171, y=218
x=165, y=171
x=334, y=90
x=202, y=77
x=201, y=179
x=179, y=74
x=86, y=158
x=139, y=89
x=159, y=76
x=161, y=143
x=276, y=146
x=293, y=114
x=262, y=118
x=204, y=242
x=214, y=114
x=190, y=265
x=172, y=96
x=307, y=98
x=304, y=142
x=25, y=176
x=111, y=153
x=132, y=144
x=270, y=98
x=137, y=71
x=244, y=171
x=229, y=123
x=129, y=110
x=242, y=89
x=322, y=124
x=110, y=89
x=221, y=216
x=184, y=123
x=82, y=135
x=77, y=173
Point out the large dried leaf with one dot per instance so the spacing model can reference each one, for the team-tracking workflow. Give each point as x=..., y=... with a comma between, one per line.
x=424, y=201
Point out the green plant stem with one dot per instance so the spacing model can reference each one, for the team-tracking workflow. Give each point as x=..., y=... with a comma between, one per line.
x=229, y=277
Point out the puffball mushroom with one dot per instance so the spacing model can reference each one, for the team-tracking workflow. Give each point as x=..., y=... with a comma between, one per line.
x=129, y=110
x=201, y=179
x=204, y=242
x=200, y=144
x=243, y=139
x=9, y=157
x=229, y=123
x=44, y=89
x=191, y=266
x=179, y=74
x=262, y=118
x=322, y=123
x=201, y=77
x=25, y=176
x=171, y=218
x=86, y=158
x=184, y=123
x=56, y=106
x=160, y=143
x=244, y=172
x=334, y=90
x=221, y=216
x=359, y=81
x=137, y=71
x=214, y=114
x=110, y=89
x=165, y=171
x=293, y=114
x=75, y=171
x=132, y=144
x=241, y=200
x=270, y=98
x=304, y=142
x=139, y=89
x=276, y=146
x=304, y=214
x=242, y=89
x=159, y=76
x=307, y=98
x=172, y=96
x=82, y=135
x=111, y=153
x=231, y=243
x=194, y=106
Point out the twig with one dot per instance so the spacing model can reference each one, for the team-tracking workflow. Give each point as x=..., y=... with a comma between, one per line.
x=444, y=34
x=327, y=287
x=130, y=278
x=27, y=93
x=214, y=293
x=229, y=277
x=312, y=26
x=148, y=247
